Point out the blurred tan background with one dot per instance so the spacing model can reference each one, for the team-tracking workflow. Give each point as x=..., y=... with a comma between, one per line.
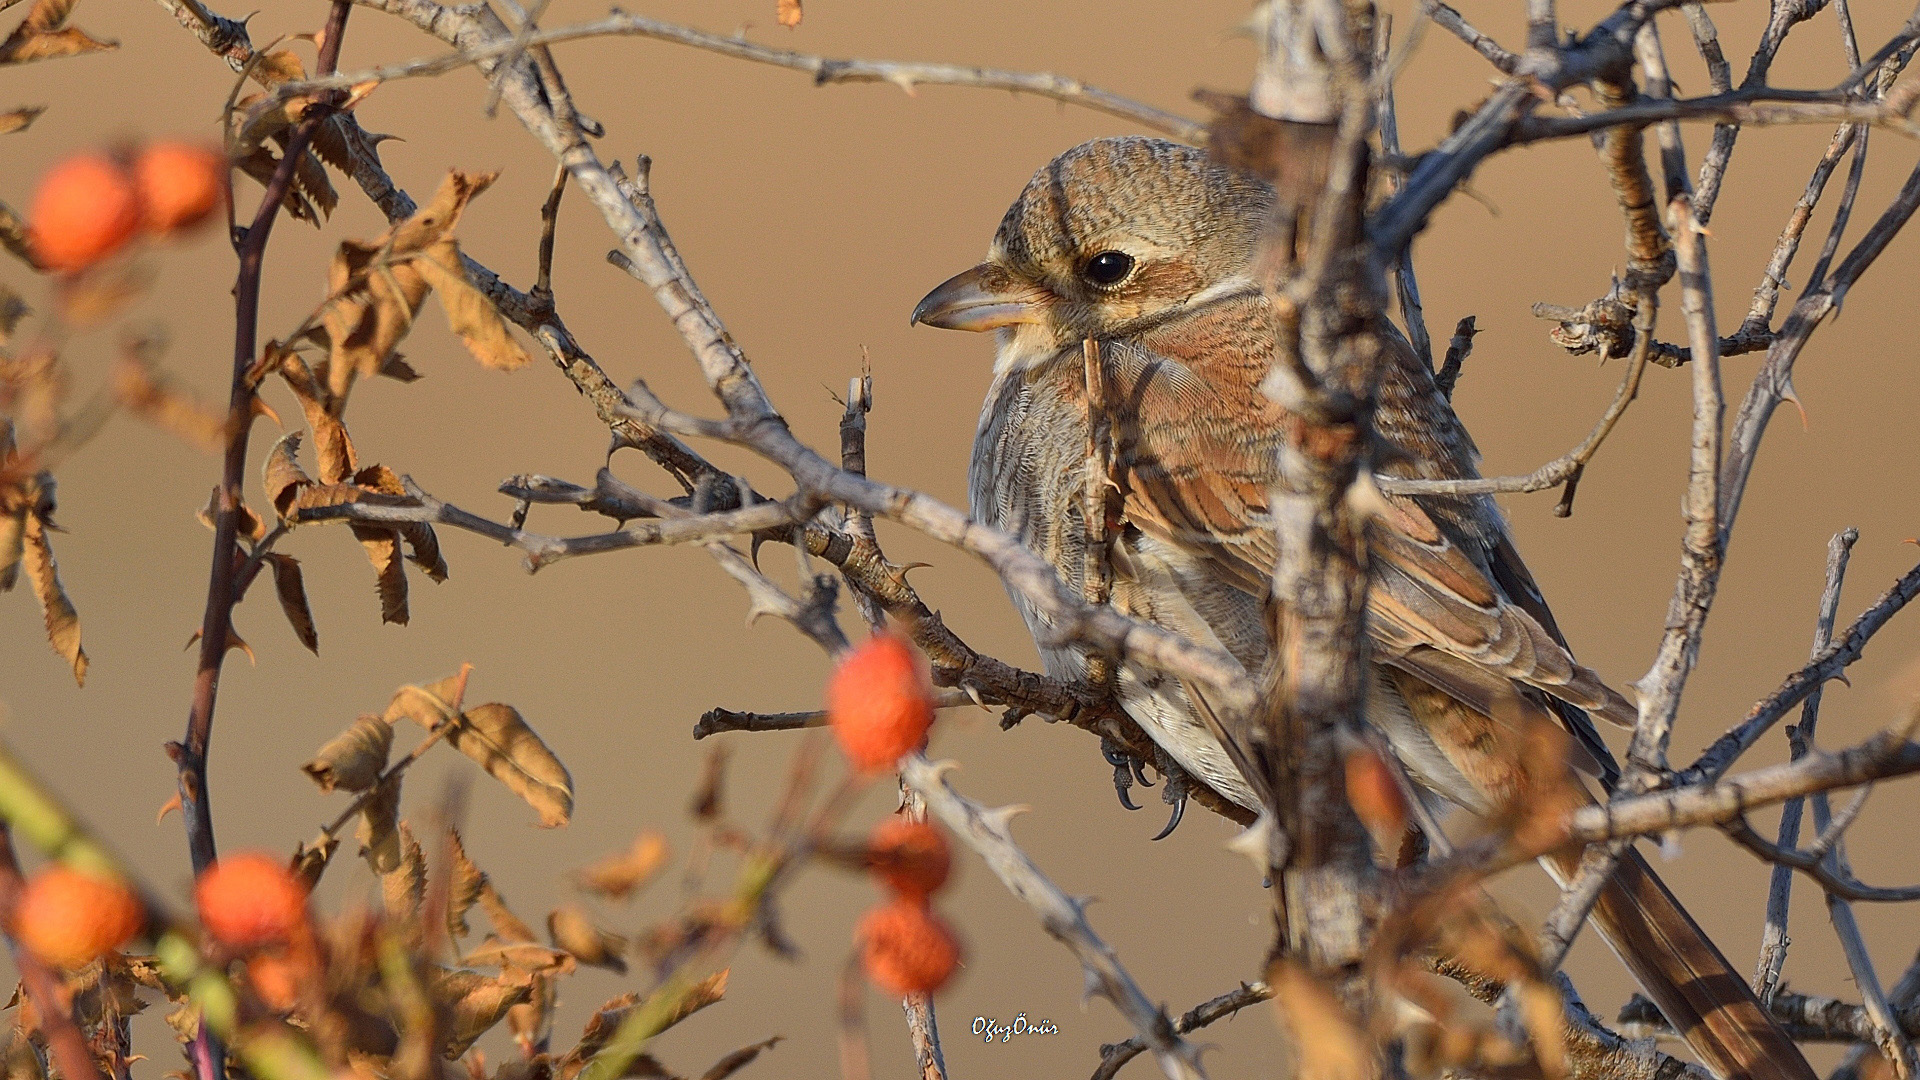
x=814, y=219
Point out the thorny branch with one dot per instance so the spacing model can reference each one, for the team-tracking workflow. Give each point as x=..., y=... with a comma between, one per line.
x=1696, y=795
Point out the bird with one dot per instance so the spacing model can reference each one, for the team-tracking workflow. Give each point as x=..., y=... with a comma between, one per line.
x=1146, y=249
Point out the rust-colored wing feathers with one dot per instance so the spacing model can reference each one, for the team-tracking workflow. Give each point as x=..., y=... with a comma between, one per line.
x=1199, y=440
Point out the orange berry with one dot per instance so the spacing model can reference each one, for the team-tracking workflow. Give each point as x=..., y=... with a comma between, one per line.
x=85, y=209
x=276, y=977
x=69, y=918
x=1375, y=796
x=906, y=948
x=911, y=857
x=180, y=184
x=880, y=703
x=250, y=900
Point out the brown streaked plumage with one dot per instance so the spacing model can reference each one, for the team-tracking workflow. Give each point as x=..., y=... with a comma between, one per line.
x=1144, y=246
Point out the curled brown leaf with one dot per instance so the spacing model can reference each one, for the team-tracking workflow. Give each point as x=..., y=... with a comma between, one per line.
x=354, y=759
x=618, y=875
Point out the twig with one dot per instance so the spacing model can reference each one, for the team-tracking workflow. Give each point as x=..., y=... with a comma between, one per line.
x=190, y=755
x=1406, y=286
x=1560, y=470
x=1704, y=541
x=1063, y=916
x=1445, y=17
x=1773, y=938
x=923, y=1027
x=1224, y=1007
x=825, y=71
x=1887, y=754
x=1716, y=759
x=715, y=721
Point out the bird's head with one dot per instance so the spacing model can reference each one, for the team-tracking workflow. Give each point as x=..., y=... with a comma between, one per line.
x=1107, y=237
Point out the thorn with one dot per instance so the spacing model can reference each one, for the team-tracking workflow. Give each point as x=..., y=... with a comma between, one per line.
x=973, y=692
x=168, y=807
x=998, y=817
x=899, y=573
x=1091, y=987
x=753, y=552
x=941, y=768
x=1258, y=842
x=1788, y=393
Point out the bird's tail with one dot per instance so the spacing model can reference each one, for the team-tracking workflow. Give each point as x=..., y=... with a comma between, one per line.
x=1697, y=990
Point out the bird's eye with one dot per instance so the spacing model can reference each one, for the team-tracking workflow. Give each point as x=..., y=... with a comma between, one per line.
x=1108, y=268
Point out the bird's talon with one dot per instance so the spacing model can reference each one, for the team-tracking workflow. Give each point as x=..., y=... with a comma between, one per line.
x=1124, y=766
x=1179, y=811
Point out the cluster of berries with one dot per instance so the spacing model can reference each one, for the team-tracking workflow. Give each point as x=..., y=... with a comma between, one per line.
x=92, y=205
x=880, y=704
x=69, y=917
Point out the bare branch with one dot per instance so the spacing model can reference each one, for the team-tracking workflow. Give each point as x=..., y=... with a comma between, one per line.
x=1773, y=939
x=1887, y=754
x=825, y=71
x=1224, y=1007
x=1716, y=759
x=1063, y=916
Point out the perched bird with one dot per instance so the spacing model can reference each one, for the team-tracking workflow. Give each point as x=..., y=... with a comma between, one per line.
x=1145, y=248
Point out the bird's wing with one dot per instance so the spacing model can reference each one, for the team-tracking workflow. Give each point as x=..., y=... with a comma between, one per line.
x=1200, y=441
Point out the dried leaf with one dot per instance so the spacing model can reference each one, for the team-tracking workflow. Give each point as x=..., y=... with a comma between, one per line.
x=423, y=546
x=704, y=993
x=63, y=622
x=506, y=925
x=12, y=310
x=469, y=313
x=379, y=829
x=249, y=523
x=572, y=929
x=474, y=1003
x=310, y=179
x=102, y=296
x=431, y=705
x=744, y=1056
x=510, y=751
x=282, y=475
x=270, y=69
x=332, y=447
x=618, y=875
x=154, y=398
x=13, y=235
x=390, y=574
x=526, y=957
x=403, y=890
x=438, y=218
x=342, y=143
x=788, y=13
x=354, y=759
x=464, y=886
x=309, y=863
x=43, y=35
x=1326, y=1043
x=396, y=368
x=599, y=1028
x=291, y=585
x=20, y=119
x=260, y=163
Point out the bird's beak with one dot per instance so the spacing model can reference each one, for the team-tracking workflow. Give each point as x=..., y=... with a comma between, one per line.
x=983, y=298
